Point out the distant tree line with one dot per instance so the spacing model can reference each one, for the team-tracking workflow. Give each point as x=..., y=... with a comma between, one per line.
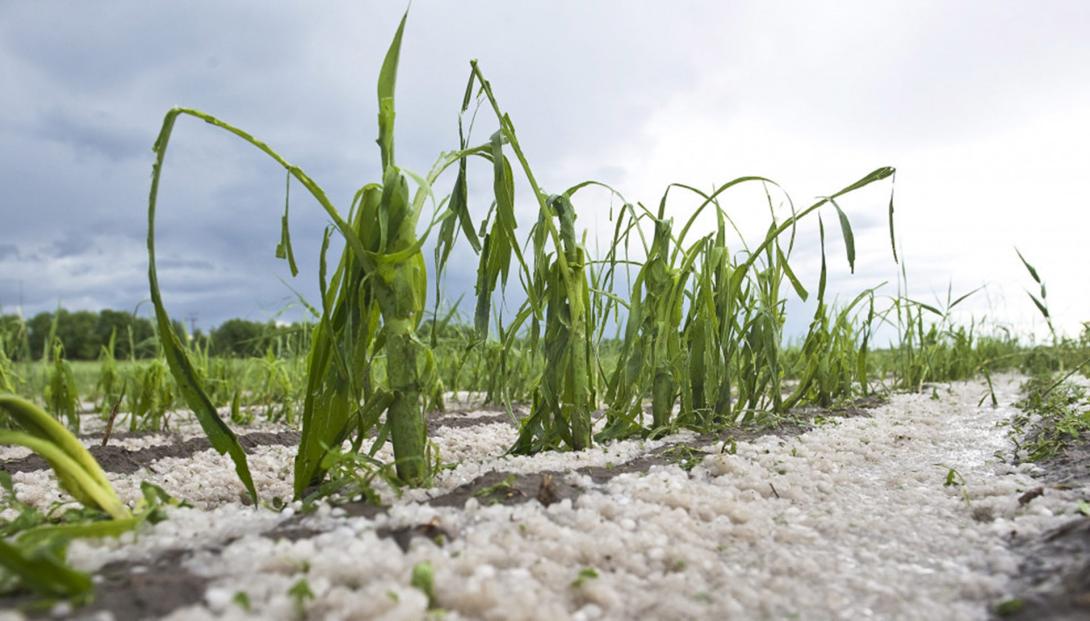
x=243, y=338
x=85, y=333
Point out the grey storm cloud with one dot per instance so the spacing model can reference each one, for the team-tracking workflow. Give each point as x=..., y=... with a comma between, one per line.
x=85, y=87
x=92, y=84
x=92, y=133
x=72, y=244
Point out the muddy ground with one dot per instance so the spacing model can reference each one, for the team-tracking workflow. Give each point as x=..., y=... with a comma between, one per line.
x=1053, y=580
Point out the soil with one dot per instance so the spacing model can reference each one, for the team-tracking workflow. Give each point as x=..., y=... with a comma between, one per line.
x=454, y=420
x=1070, y=467
x=133, y=590
x=404, y=535
x=126, y=461
x=505, y=488
x=1053, y=580
x=129, y=590
x=547, y=487
x=152, y=589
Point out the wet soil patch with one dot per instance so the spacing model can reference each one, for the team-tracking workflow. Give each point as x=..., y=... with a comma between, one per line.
x=122, y=460
x=141, y=590
x=184, y=434
x=506, y=488
x=130, y=590
x=1053, y=580
x=404, y=535
x=291, y=530
x=1071, y=466
x=659, y=457
x=457, y=421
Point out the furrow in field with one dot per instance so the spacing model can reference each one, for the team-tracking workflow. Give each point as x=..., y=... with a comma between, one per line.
x=850, y=519
x=128, y=452
x=124, y=460
x=162, y=555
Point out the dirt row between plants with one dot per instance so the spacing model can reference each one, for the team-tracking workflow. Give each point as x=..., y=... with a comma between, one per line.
x=827, y=516
x=123, y=460
x=155, y=587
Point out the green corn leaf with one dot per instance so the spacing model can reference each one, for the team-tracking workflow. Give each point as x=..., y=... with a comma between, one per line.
x=387, y=81
x=892, y=237
x=499, y=243
x=459, y=197
x=37, y=536
x=351, y=238
x=219, y=434
x=824, y=270
x=503, y=185
x=710, y=199
x=283, y=249
x=460, y=208
x=846, y=231
x=795, y=283
x=74, y=478
x=875, y=175
x=78, y=471
x=44, y=573
x=323, y=271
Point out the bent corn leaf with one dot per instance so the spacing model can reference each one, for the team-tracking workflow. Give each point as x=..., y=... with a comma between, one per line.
x=846, y=231
x=219, y=434
x=283, y=249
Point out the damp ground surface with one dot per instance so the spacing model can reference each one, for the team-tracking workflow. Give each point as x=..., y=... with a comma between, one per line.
x=908, y=509
x=1053, y=579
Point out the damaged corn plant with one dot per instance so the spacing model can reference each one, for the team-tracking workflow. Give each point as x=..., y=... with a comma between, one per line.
x=704, y=330
x=699, y=326
x=371, y=304
x=34, y=544
x=372, y=301
x=687, y=319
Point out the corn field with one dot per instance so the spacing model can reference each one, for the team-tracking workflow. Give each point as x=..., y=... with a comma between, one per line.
x=677, y=326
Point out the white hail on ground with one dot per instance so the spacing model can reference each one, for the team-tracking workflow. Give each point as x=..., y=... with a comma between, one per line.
x=850, y=520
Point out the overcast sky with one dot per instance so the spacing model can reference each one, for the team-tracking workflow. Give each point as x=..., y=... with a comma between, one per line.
x=983, y=107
